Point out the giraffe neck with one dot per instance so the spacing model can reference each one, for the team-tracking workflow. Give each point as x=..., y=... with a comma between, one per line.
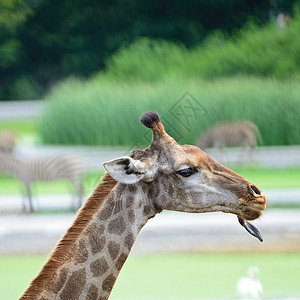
x=88, y=268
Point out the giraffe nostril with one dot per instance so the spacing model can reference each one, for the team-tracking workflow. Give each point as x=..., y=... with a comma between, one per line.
x=255, y=189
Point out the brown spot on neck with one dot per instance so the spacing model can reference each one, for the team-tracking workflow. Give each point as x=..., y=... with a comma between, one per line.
x=108, y=283
x=81, y=253
x=117, y=226
x=92, y=293
x=63, y=273
x=74, y=286
x=113, y=250
x=99, y=267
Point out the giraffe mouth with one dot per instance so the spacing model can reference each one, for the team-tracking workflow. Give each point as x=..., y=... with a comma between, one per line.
x=250, y=228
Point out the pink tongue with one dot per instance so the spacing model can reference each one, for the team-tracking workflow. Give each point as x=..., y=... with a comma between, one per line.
x=250, y=228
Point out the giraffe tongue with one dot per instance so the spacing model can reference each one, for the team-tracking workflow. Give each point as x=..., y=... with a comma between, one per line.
x=250, y=228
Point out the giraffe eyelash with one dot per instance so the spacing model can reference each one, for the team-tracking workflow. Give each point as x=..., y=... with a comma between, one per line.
x=187, y=171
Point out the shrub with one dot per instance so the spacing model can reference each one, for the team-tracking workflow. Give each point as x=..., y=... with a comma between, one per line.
x=147, y=60
x=264, y=51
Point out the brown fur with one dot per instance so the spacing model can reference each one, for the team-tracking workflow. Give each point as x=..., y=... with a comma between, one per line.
x=66, y=243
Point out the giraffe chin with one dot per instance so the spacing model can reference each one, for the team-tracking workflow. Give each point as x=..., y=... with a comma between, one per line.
x=250, y=228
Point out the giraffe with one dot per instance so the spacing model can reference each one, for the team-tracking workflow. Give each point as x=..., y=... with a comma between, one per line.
x=88, y=258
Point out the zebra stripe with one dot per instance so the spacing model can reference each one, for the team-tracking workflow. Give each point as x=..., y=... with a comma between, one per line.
x=30, y=170
x=238, y=133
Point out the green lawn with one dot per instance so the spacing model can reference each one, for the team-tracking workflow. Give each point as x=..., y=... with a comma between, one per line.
x=264, y=178
x=174, y=276
x=10, y=185
x=271, y=178
x=22, y=126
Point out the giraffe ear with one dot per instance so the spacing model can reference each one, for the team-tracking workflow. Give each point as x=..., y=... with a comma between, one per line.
x=126, y=169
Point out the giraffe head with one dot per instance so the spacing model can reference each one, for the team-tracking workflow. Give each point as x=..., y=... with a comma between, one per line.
x=185, y=178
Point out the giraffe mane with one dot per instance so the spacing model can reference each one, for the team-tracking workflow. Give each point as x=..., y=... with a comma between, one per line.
x=84, y=215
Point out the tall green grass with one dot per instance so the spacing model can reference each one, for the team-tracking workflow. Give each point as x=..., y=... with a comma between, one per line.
x=106, y=112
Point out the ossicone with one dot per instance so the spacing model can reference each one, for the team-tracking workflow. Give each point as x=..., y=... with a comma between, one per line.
x=149, y=118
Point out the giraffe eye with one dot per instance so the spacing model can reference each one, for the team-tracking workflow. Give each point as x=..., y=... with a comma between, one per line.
x=187, y=172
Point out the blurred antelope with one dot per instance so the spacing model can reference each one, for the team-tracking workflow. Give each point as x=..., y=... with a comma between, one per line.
x=7, y=140
x=243, y=134
x=30, y=170
x=52, y=168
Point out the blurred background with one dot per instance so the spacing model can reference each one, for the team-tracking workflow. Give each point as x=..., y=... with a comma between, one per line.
x=75, y=77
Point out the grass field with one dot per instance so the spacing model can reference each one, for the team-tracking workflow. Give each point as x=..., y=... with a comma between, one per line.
x=271, y=178
x=9, y=185
x=174, y=276
x=22, y=126
x=264, y=178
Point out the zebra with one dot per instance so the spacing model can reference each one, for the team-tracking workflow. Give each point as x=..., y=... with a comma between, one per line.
x=30, y=170
x=242, y=133
x=7, y=140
